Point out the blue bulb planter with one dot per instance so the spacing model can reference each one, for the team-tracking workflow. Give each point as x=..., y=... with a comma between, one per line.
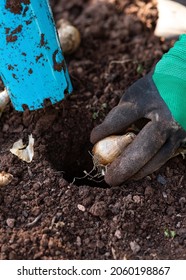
x=32, y=65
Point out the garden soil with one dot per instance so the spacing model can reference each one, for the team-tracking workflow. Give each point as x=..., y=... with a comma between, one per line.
x=49, y=211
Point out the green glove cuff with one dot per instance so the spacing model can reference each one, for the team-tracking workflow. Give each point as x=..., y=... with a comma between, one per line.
x=170, y=79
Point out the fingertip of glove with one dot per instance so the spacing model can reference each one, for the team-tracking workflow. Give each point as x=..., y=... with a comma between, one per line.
x=92, y=136
x=111, y=180
x=108, y=180
x=96, y=134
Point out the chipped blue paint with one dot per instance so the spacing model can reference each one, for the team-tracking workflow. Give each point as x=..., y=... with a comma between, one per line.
x=32, y=65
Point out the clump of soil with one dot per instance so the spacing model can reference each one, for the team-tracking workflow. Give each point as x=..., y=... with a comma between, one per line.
x=44, y=213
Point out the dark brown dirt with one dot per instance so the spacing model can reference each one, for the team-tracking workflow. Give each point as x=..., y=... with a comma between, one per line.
x=43, y=215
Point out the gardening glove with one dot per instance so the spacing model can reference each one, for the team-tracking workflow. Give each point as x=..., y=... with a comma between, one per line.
x=160, y=98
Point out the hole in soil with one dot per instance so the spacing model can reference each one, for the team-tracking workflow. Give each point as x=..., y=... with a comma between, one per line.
x=74, y=163
x=73, y=158
x=66, y=134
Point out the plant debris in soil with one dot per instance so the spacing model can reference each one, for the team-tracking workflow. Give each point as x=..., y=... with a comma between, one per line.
x=44, y=212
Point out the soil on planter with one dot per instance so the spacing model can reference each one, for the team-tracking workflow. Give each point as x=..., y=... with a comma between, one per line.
x=46, y=212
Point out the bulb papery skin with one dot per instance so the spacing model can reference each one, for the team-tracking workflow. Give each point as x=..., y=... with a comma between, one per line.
x=108, y=149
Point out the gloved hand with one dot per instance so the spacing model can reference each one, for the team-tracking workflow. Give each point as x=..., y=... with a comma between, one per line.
x=159, y=97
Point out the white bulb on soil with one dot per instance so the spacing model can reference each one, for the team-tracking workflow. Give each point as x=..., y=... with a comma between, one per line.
x=69, y=36
x=4, y=100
